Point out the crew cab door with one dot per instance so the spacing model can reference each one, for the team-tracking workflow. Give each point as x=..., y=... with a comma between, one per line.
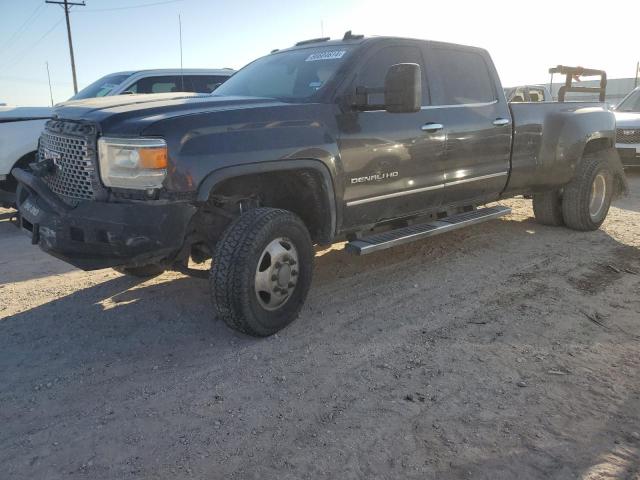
x=392, y=166
x=475, y=118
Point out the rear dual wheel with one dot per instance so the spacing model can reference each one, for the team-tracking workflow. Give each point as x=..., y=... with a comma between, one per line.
x=587, y=198
x=584, y=202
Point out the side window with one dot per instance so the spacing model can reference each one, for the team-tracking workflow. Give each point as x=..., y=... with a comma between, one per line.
x=462, y=77
x=164, y=84
x=374, y=71
x=205, y=83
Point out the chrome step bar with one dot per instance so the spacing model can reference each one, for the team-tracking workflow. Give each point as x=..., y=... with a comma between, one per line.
x=400, y=236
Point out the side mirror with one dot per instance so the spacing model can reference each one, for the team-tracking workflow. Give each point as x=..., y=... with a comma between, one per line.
x=403, y=88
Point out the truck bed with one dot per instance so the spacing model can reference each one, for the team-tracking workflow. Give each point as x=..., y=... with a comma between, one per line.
x=545, y=148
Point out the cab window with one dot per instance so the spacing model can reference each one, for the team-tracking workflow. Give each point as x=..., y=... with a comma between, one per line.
x=163, y=84
x=372, y=74
x=462, y=77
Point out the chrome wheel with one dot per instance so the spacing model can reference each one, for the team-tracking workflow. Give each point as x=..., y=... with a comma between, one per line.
x=276, y=274
x=598, y=196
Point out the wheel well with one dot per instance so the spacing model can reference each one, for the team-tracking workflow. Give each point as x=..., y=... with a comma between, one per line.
x=10, y=184
x=300, y=191
x=597, y=145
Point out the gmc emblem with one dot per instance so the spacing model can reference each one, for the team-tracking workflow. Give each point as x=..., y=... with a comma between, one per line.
x=53, y=156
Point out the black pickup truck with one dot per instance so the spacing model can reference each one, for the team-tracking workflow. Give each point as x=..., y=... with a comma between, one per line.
x=377, y=141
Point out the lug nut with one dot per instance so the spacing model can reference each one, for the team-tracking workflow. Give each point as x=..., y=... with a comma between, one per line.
x=278, y=264
x=294, y=272
x=274, y=277
x=291, y=285
x=292, y=262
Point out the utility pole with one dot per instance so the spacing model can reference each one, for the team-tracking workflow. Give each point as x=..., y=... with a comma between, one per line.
x=66, y=5
x=635, y=84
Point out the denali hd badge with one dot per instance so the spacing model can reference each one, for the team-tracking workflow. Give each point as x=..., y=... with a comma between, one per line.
x=628, y=132
x=374, y=177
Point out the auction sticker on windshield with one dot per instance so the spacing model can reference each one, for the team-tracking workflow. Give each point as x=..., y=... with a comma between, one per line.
x=328, y=55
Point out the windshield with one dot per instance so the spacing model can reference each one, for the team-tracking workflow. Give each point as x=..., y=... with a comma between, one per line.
x=101, y=87
x=631, y=103
x=291, y=75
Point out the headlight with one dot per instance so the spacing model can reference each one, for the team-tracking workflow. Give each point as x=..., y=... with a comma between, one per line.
x=137, y=163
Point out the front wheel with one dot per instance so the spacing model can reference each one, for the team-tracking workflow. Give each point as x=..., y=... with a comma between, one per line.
x=261, y=271
x=586, y=199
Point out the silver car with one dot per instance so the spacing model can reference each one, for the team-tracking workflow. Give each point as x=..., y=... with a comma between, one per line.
x=628, y=129
x=199, y=80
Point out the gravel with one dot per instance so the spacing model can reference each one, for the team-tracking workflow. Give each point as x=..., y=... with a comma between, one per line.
x=403, y=364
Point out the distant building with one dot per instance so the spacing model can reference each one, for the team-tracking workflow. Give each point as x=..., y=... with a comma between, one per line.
x=617, y=89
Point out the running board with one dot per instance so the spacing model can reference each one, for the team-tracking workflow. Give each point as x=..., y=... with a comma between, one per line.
x=400, y=236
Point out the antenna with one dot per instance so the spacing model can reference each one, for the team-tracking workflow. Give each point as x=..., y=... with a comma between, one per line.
x=181, y=72
x=322, y=28
x=49, y=77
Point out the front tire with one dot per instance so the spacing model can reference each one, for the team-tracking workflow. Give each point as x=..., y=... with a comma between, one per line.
x=261, y=271
x=586, y=199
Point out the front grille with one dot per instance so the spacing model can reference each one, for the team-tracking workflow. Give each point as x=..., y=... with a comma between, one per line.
x=72, y=177
x=628, y=135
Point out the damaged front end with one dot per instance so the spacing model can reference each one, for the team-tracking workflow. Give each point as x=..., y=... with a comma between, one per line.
x=66, y=210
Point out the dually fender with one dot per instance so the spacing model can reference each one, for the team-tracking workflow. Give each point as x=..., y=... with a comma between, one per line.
x=566, y=135
x=218, y=176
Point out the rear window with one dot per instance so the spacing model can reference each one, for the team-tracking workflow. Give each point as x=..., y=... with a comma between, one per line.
x=461, y=76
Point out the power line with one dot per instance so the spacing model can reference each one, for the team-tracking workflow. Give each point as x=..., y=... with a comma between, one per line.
x=18, y=58
x=30, y=19
x=10, y=78
x=131, y=6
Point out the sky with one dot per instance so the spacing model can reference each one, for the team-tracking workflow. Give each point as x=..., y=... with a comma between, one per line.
x=524, y=38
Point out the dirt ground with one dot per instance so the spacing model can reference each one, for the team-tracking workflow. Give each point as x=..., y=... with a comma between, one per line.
x=506, y=350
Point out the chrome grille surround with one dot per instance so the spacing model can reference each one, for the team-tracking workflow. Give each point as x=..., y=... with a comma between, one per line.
x=628, y=135
x=70, y=147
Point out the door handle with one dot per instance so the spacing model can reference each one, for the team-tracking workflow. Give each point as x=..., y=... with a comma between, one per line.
x=432, y=127
x=499, y=122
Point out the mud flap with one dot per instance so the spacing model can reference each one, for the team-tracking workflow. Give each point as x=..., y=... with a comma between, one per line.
x=620, y=178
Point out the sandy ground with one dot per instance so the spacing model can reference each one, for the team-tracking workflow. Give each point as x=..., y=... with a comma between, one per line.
x=506, y=350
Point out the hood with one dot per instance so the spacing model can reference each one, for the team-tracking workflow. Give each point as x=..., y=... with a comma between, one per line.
x=120, y=100
x=130, y=114
x=627, y=119
x=13, y=113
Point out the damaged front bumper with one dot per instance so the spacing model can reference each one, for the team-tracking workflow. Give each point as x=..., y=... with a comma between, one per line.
x=96, y=235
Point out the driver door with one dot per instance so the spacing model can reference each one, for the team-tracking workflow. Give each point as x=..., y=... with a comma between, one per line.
x=393, y=166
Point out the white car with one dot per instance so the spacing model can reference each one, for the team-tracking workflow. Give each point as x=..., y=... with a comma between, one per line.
x=20, y=127
x=628, y=129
